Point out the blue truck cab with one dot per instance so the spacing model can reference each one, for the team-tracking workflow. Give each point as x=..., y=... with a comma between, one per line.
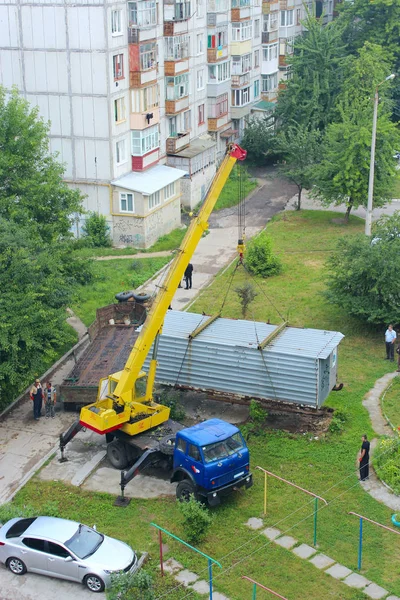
x=210, y=460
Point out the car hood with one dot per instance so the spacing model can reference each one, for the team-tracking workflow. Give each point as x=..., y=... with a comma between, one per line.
x=112, y=555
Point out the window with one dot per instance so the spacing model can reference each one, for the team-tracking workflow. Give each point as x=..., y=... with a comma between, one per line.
x=221, y=106
x=199, y=8
x=256, y=58
x=256, y=88
x=120, y=152
x=176, y=47
x=126, y=202
x=200, y=79
x=187, y=120
x=169, y=191
x=182, y=11
x=118, y=66
x=290, y=44
x=119, y=110
x=57, y=550
x=200, y=43
x=34, y=544
x=270, y=52
x=241, y=64
x=241, y=31
x=218, y=73
x=177, y=87
x=286, y=18
x=241, y=97
x=201, y=114
x=257, y=28
x=143, y=13
x=144, y=99
x=19, y=527
x=240, y=3
x=218, y=39
x=270, y=22
x=298, y=16
x=116, y=22
x=147, y=56
x=269, y=82
x=181, y=444
x=154, y=200
x=145, y=140
x=194, y=452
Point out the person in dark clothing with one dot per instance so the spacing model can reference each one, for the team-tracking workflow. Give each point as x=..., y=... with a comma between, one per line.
x=364, y=459
x=36, y=395
x=188, y=276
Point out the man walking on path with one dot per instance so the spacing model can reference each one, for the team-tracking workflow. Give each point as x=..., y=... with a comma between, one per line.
x=390, y=338
x=188, y=276
x=364, y=459
x=49, y=400
x=36, y=395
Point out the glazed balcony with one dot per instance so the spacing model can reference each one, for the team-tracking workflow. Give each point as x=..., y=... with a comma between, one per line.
x=176, y=11
x=240, y=80
x=268, y=37
x=177, y=142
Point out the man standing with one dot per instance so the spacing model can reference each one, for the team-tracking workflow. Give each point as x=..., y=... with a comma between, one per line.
x=188, y=276
x=364, y=459
x=49, y=400
x=36, y=395
x=390, y=338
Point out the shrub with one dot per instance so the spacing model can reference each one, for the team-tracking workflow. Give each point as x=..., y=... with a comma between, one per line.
x=171, y=400
x=257, y=413
x=339, y=418
x=387, y=462
x=196, y=520
x=128, y=586
x=97, y=231
x=246, y=295
x=260, y=259
x=137, y=265
x=10, y=511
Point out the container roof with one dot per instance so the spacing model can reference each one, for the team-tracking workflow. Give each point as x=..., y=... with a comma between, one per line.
x=312, y=343
x=209, y=432
x=149, y=181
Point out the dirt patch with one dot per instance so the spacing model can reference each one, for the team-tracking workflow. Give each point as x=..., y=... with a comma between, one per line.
x=339, y=221
x=313, y=263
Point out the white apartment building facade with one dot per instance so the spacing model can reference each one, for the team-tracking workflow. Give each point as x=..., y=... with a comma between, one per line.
x=142, y=96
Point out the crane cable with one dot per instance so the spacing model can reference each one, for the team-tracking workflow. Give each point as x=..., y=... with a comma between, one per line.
x=241, y=206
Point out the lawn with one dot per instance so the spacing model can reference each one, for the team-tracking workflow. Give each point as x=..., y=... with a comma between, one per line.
x=390, y=403
x=110, y=277
x=325, y=464
x=396, y=191
x=230, y=195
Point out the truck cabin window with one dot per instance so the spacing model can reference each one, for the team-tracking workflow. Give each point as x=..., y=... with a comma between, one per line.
x=194, y=452
x=223, y=449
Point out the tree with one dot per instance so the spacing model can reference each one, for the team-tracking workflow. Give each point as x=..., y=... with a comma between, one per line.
x=258, y=139
x=96, y=231
x=310, y=94
x=247, y=294
x=343, y=174
x=363, y=274
x=299, y=146
x=32, y=190
x=260, y=258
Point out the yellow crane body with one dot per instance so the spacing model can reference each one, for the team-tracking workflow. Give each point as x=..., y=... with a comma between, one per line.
x=118, y=404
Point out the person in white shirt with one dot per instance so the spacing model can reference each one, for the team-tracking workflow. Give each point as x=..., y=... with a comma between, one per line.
x=390, y=338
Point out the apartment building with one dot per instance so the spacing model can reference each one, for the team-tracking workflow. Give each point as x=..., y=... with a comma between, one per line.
x=143, y=96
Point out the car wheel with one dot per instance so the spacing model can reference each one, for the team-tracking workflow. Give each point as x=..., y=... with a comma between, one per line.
x=184, y=490
x=116, y=454
x=16, y=566
x=94, y=583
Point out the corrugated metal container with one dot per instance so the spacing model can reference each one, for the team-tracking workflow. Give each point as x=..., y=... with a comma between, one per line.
x=298, y=366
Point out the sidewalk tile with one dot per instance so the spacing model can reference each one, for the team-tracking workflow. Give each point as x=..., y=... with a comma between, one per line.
x=186, y=577
x=392, y=598
x=218, y=596
x=321, y=561
x=356, y=581
x=172, y=566
x=286, y=541
x=255, y=523
x=202, y=587
x=375, y=591
x=304, y=551
x=338, y=571
x=271, y=533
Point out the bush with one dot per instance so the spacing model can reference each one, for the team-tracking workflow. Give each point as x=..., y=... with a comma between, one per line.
x=246, y=295
x=260, y=259
x=97, y=231
x=128, y=586
x=339, y=418
x=196, y=520
x=387, y=462
x=171, y=400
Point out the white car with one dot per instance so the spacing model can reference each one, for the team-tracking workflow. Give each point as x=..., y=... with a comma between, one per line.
x=65, y=549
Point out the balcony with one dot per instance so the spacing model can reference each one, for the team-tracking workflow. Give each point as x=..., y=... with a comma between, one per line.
x=216, y=54
x=215, y=124
x=173, y=67
x=269, y=7
x=136, y=34
x=175, y=27
x=140, y=121
x=138, y=79
x=239, y=80
x=239, y=14
x=215, y=6
x=177, y=142
x=268, y=37
x=176, y=11
x=173, y=107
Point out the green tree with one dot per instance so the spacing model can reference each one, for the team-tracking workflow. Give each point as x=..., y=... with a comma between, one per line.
x=247, y=294
x=363, y=274
x=260, y=258
x=97, y=231
x=300, y=149
x=258, y=139
x=32, y=190
x=316, y=65
x=343, y=174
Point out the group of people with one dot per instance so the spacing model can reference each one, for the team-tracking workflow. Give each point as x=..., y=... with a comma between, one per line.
x=38, y=395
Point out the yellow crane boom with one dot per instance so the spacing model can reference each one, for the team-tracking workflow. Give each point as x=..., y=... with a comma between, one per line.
x=118, y=406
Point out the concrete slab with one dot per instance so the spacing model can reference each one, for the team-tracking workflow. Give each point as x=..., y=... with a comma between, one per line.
x=338, y=571
x=286, y=541
x=90, y=466
x=202, y=587
x=271, y=533
x=172, y=566
x=392, y=598
x=304, y=551
x=219, y=596
x=151, y=485
x=254, y=523
x=375, y=591
x=356, y=581
x=186, y=577
x=321, y=561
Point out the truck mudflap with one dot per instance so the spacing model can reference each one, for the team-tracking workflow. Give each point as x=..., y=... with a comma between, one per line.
x=214, y=496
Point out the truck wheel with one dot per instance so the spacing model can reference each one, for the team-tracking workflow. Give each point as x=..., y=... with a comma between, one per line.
x=116, y=454
x=184, y=490
x=167, y=445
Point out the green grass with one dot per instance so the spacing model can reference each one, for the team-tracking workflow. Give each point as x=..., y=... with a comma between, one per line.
x=396, y=191
x=326, y=465
x=230, y=192
x=390, y=403
x=111, y=277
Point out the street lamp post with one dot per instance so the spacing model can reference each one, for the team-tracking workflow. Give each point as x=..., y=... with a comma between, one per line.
x=368, y=216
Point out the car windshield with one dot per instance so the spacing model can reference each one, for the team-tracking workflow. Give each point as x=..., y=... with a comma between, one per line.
x=19, y=527
x=84, y=542
x=222, y=449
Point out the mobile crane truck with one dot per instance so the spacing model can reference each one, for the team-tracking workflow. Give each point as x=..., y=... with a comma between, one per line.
x=208, y=460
